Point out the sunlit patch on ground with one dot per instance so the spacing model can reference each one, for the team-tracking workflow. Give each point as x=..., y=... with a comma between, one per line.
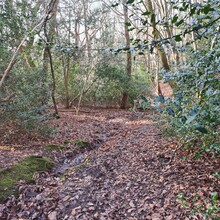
x=139, y=122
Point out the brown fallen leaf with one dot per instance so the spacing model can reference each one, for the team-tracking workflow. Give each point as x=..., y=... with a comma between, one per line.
x=156, y=216
x=52, y=216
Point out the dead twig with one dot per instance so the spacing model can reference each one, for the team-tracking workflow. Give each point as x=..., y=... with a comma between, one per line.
x=8, y=99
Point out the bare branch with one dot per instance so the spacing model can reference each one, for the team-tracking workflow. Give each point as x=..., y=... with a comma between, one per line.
x=13, y=59
x=8, y=99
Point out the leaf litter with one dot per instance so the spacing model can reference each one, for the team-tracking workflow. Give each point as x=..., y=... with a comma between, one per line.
x=126, y=172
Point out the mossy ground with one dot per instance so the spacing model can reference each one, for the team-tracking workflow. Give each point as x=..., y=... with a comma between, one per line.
x=53, y=147
x=78, y=145
x=22, y=170
x=82, y=145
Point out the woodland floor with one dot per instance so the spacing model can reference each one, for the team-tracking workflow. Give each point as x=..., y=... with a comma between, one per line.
x=126, y=173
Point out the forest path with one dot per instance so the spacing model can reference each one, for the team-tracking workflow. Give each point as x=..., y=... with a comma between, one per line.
x=128, y=176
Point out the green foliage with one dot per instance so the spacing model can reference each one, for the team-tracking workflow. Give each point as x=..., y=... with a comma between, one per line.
x=201, y=18
x=29, y=84
x=82, y=145
x=113, y=81
x=22, y=170
x=28, y=108
x=15, y=19
x=106, y=82
x=53, y=147
x=194, y=111
x=75, y=78
x=209, y=208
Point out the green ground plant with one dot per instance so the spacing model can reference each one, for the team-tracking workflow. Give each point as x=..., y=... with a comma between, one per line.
x=22, y=170
x=209, y=208
x=82, y=145
x=53, y=147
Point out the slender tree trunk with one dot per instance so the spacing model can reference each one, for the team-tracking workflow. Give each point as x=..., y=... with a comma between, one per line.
x=173, y=44
x=124, y=100
x=195, y=47
x=85, y=16
x=77, y=37
x=65, y=67
x=156, y=34
x=148, y=55
x=157, y=81
x=165, y=12
x=53, y=84
x=47, y=58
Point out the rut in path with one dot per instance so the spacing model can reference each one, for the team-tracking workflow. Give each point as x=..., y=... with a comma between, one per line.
x=128, y=177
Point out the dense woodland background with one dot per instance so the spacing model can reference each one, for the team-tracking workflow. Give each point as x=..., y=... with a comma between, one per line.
x=99, y=53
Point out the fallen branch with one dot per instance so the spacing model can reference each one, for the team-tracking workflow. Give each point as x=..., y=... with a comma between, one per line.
x=8, y=99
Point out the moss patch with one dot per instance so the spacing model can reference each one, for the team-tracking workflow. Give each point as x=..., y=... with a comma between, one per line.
x=82, y=145
x=22, y=170
x=53, y=147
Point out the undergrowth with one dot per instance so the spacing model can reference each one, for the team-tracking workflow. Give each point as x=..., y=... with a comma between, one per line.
x=22, y=170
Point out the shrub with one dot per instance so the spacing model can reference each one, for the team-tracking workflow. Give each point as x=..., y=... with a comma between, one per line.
x=194, y=111
x=28, y=110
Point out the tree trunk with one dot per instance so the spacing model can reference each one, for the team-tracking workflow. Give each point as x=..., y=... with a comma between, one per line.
x=85, y=16
x=47, y=58
x=124, y=101
x=156, y=35
x=66, y=67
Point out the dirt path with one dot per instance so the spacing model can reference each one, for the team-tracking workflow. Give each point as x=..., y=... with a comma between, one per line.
x=128, y=176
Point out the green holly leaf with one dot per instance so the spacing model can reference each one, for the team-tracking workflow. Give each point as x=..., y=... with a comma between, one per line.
x=201, y=128
x=175, y=18
x=130, y=1
x=178, y=38
x=146, y=13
